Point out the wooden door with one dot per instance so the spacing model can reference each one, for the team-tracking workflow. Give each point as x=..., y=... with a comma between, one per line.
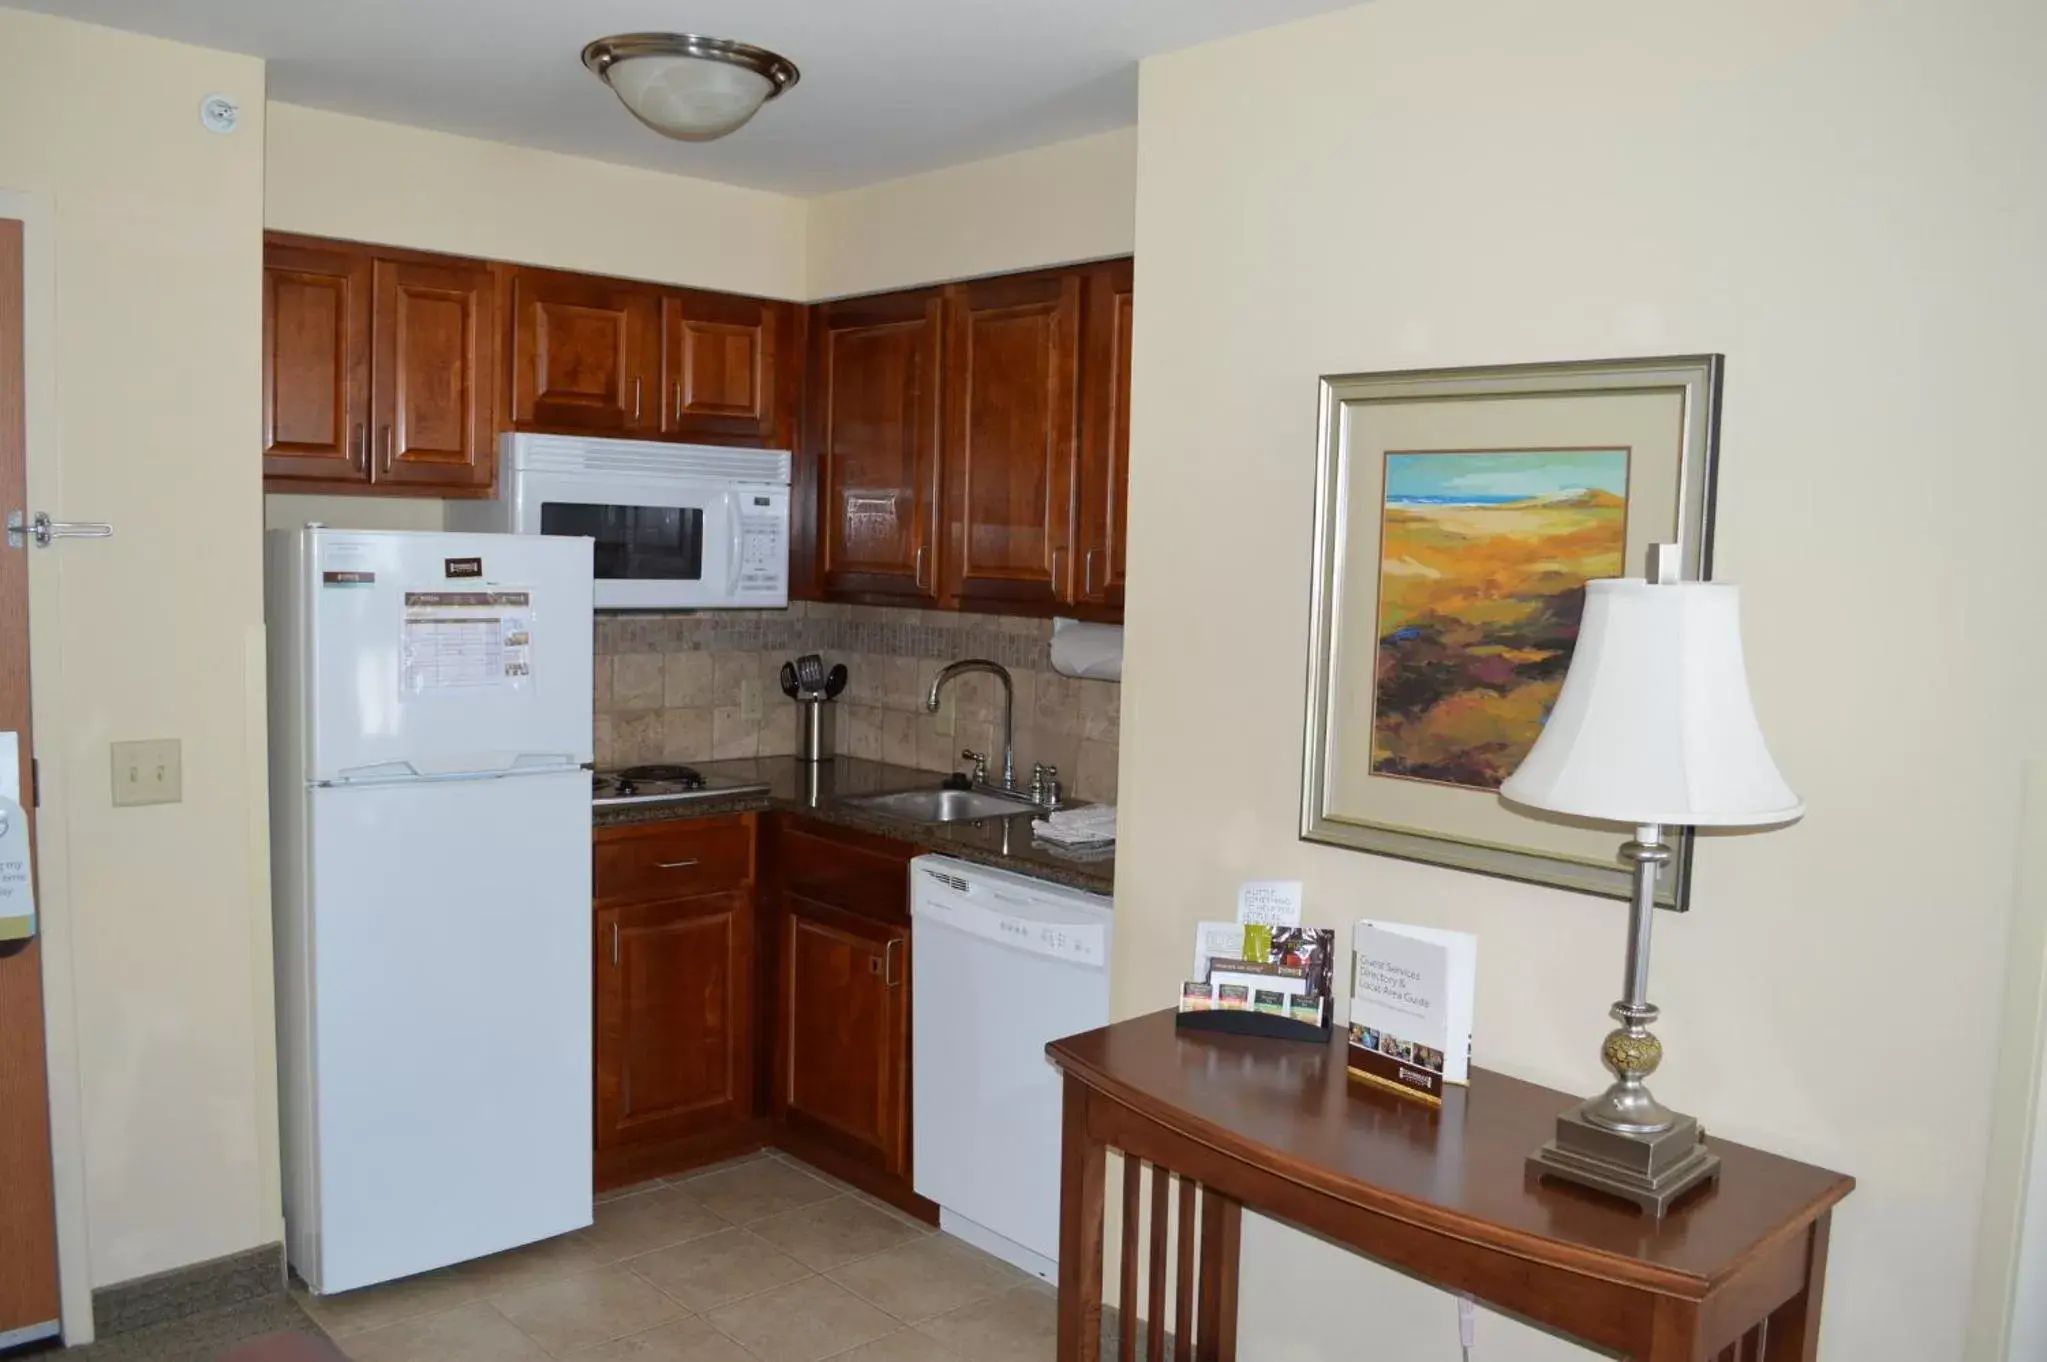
x=722, y=358
x=1012, y=354
x=844, y=1068
x=1104, y=476
x=28, y=1224
x=585, y=354
x=316, y=362
x=674, y=1017
x=434, y=357
x=875, y=433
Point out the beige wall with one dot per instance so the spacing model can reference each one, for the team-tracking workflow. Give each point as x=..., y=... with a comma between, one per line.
x=1841, y=199
x=158, y=918
x=1047, y=206
x=289, y=510
x=334, y=175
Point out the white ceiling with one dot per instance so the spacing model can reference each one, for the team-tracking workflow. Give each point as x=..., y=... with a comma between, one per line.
x=890, y=87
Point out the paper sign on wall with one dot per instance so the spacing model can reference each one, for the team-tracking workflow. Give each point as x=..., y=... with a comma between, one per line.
x=17, y=883
x=463, y=641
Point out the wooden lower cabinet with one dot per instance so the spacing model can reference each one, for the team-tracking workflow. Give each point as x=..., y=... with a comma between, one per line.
x=674, y=992
x=753, y=987
x=674, y=1018
x=844, y=1023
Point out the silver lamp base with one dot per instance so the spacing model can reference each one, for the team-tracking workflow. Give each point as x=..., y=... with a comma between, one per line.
x=1652, y=1171
x=1624, y=1142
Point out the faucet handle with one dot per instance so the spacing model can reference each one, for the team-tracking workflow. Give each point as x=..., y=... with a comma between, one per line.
x=980, y=760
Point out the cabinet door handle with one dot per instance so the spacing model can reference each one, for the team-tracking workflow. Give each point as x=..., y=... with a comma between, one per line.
x=636, y=399
x=678, y=401
x=1059, y=572
x=614, y=945
x=384, y=438
x=1087, y=574
x=359, y=447
x=675, y=865
x=888, y=965
x=920, y=565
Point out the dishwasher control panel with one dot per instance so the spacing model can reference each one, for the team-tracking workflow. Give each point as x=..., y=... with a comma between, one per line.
x=996, y=914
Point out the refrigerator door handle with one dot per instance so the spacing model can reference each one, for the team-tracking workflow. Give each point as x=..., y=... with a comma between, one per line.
x=405, y=773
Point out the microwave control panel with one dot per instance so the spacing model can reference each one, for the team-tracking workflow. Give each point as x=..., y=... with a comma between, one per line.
x=764, y=542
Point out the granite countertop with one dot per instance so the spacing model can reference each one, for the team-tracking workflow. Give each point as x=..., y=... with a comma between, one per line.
x=821, y=790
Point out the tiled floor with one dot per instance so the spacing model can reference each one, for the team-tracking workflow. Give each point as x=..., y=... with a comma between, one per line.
x=759, y=1260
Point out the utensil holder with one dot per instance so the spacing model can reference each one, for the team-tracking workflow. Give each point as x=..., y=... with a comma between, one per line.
x=816, y=728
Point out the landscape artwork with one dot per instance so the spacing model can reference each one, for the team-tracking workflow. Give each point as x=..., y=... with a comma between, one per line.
x=1484, y=556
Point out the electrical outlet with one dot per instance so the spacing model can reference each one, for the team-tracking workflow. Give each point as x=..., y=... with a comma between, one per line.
x=947, y=722
x=149, y=772
x=750, y=700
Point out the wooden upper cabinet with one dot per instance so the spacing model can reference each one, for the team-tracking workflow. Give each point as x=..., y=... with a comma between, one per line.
x=1104, y=465
x=379, y=370
x=435, y=355
x=674, y=1018
x=586, y=354
x=844, y=1069
x=722, y=363
x=316, y=362
x=874, y=436
x=1011, y=419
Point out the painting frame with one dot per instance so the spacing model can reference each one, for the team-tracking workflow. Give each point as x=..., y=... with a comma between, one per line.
x=1667, y=406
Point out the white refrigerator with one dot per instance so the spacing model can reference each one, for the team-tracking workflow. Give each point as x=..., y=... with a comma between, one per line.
x=430, y=833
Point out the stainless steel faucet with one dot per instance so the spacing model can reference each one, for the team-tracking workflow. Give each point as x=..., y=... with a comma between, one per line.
x=1000, y=673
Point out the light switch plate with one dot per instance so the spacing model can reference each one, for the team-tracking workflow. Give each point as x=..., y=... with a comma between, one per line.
x=148, y=772
x=750, y=701
x=947, y=722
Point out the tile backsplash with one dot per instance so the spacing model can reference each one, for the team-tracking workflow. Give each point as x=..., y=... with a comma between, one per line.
x=668, y=688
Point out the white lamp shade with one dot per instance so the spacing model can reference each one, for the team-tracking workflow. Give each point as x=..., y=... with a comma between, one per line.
x=692, y=99
x=1654, y=723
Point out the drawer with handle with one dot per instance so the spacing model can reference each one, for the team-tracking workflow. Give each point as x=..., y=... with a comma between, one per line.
x=641, y=862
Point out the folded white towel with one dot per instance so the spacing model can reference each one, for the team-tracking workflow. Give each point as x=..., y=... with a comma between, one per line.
x=1078, y=827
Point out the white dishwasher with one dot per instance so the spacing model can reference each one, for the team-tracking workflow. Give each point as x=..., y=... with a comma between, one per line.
x=1001, y=964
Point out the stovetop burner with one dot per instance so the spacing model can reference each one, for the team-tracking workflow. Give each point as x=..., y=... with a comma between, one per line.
x=664, y=782
x=686, y=776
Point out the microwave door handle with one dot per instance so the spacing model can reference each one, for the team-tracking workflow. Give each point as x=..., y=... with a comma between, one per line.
x=732, y=514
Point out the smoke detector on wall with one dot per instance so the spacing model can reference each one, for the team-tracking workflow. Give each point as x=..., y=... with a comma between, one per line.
x=219, y=113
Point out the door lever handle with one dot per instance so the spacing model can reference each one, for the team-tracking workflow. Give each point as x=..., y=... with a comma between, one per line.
x=46, y=531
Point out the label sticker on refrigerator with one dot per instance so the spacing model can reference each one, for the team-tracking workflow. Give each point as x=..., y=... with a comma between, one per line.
x=346, y=564
x=463, y=641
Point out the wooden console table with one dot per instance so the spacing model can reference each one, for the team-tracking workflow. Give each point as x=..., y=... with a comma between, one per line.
x=1733, y=1275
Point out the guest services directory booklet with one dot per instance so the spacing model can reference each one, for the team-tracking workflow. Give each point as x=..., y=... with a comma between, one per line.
x=1411, y=1001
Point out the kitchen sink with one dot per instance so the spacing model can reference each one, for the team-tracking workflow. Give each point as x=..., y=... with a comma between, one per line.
x=944, y=806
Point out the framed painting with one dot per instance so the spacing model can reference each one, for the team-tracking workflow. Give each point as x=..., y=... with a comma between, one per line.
x=1458, y=515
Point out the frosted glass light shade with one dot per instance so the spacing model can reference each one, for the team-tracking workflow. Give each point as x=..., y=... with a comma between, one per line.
x=1654, y=723
x=689, y=87
x=689, y=98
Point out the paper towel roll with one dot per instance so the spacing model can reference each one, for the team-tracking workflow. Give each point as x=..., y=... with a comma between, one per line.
x=1093, y=651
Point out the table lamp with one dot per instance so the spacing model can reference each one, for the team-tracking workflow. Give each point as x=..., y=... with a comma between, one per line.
x=1653, y=729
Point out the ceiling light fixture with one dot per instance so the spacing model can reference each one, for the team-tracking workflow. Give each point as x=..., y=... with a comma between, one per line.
x=691, y=88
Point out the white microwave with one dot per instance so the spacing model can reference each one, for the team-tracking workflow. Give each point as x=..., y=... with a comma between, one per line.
x=677, y=527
